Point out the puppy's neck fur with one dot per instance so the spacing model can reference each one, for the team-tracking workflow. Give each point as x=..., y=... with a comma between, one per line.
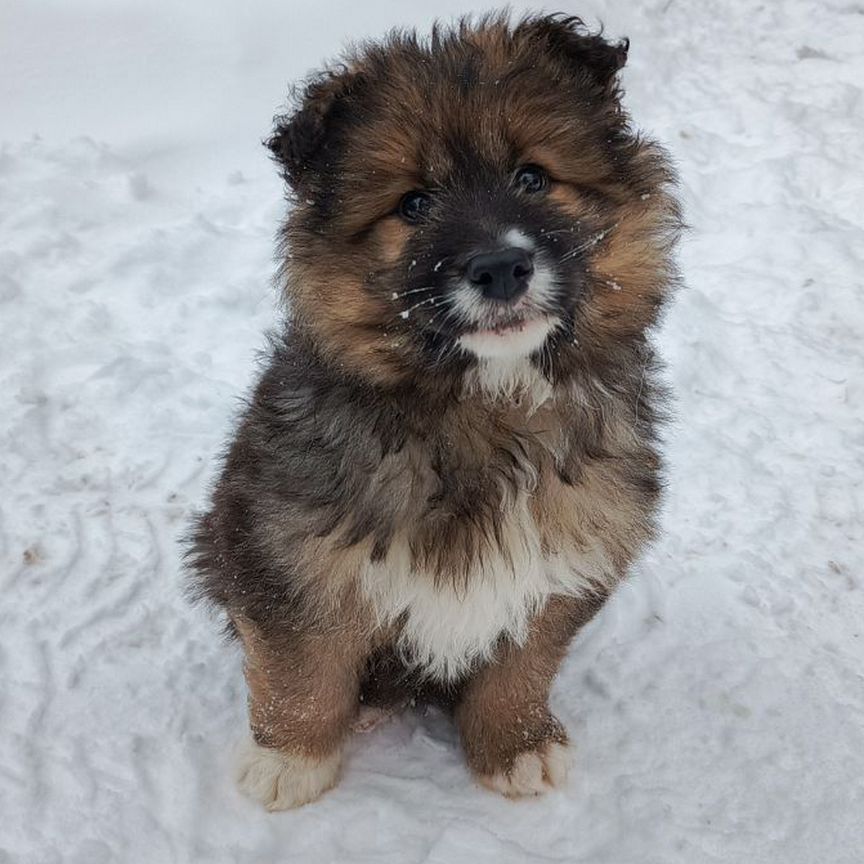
x=514, y=379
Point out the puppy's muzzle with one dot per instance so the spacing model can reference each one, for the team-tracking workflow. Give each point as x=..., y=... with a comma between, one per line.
x=502, y=275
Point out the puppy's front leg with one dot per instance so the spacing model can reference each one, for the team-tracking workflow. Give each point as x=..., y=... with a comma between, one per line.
x=513, y=743
x=303, y=694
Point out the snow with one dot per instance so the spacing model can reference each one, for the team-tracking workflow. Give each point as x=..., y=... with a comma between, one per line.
x=717, y=704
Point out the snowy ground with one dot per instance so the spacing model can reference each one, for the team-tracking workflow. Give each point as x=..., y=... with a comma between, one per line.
x=717, y=703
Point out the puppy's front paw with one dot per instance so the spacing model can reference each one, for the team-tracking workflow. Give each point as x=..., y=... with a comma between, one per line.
x=516, y=754
x=532, y=772
x=281, y=780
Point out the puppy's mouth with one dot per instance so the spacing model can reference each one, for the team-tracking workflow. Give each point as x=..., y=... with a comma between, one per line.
x=508, y=325
x=513, y=336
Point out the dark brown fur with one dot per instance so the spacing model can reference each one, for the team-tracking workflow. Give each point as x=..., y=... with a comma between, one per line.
x=360, y=438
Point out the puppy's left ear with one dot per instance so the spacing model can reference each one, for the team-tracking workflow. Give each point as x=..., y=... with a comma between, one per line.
x=568, y=36
x=299, y=140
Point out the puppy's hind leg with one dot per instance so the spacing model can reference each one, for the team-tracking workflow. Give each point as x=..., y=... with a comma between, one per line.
x=303, y=691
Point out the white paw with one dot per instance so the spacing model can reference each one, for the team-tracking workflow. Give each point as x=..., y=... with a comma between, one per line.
x=280, y=780
x=534, y=772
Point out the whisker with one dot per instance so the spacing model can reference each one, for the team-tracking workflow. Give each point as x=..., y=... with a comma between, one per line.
x=448, y=349
x=460, y=317
x=577, y=250
x=432, y=320
x=397, y=294
x=588, y=244
x=559, y=231
x=405, y=313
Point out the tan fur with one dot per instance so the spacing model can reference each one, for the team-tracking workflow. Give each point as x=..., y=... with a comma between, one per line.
x=563, y=167
x=346, y=320
x=504, y=711
x=633, y=266
x=293, y=707
x=391, y=235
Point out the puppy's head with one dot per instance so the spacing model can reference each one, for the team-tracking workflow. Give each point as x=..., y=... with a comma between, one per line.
x=477, y=196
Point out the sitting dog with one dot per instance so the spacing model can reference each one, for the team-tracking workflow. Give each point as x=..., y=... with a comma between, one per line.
x=451, y=459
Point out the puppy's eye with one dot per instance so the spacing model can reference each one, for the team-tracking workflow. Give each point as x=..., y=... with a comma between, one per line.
x=531, y=179
x=414, y=206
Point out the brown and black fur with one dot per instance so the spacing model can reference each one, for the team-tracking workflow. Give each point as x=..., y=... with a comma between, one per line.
x=361, y=434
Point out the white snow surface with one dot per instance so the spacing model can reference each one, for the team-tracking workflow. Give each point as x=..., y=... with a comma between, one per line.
x=716, y=704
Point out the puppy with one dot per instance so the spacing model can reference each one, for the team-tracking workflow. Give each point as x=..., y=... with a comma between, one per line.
x=450, y=460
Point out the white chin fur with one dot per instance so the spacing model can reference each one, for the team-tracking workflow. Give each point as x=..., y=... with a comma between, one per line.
x=280, y=780
x=514, y=343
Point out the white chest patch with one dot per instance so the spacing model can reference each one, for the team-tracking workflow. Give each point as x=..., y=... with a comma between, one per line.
x=449, y=628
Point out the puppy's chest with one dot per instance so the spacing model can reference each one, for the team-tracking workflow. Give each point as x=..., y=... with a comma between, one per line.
x=477, y=562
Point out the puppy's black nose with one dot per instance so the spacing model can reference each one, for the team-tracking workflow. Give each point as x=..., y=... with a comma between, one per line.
x=501, y=275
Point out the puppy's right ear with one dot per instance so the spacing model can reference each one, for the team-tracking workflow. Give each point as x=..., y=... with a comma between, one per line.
x=299, y=139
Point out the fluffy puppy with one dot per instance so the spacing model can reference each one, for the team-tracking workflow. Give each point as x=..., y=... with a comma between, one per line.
x=450, y=459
